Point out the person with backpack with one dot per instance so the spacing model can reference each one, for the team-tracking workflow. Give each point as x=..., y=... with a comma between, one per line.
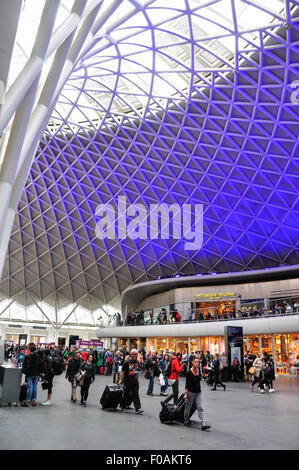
x=88, y=371
x=99, y=364
x=216, y=366
x=32, y=368
x=47, y=382
x=73, y=368
x=58, y=362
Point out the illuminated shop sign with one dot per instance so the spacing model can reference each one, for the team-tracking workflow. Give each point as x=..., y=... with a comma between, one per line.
x=216, y=295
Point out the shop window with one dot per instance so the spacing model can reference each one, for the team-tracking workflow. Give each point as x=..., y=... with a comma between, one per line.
x=194, y=344
x=214, y=345
x=253, y=345
x=123, y=344
x=171, y=345
x=294, y=353
x=161, y=344
x=150, y=344
x=281, y=354
x=266, y=344
x=181, y=344
x=14, y=338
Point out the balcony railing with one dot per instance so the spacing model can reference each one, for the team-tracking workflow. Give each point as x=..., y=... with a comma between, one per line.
x=114, y=321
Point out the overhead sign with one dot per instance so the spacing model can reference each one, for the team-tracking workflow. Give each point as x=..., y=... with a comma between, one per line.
x=93, y=344
x=216, y=295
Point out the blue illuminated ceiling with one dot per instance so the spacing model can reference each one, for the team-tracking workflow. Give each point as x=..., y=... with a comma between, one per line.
x=232, y=146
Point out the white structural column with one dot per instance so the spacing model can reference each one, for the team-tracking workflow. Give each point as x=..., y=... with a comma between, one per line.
x=8, y=31
x=35, y=128
x=22, y=115
x=33, y=67
x=65, y=59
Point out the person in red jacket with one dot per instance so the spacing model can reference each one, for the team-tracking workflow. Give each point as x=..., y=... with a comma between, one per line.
x=173, y=379
x=84, y=355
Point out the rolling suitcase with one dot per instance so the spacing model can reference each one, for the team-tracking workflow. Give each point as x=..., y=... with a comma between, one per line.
x=23, y=392
x=112, y=396
x=169, y=413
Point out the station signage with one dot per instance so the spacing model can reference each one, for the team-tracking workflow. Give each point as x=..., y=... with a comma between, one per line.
x=93, y=344
x=216, y=295
x=234, y=346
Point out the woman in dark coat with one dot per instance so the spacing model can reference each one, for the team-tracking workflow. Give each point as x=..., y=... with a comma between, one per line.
x=88, y=371
x=32, y=368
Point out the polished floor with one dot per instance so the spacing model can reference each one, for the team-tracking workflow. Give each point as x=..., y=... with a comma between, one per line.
x=239, y=419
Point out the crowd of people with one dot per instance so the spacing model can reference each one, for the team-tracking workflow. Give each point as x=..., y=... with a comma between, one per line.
x=165, y=369
x=250, y=311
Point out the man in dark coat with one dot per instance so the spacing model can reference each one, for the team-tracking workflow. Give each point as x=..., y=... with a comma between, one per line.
x=73, y=368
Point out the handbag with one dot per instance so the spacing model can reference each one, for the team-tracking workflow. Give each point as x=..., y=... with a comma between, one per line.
x=45, y=386
x=162, y=380
x=78, y=376
x=252, y=370
x=147, y=374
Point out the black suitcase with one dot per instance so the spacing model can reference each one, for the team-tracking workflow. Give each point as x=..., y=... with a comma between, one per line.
x=23, y=392
x=112, y=396
x=169, y=413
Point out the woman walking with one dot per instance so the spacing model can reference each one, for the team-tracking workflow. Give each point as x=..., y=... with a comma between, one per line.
x=259, y=365
x=173, y=379
x=31, y=368
x=88, y=372
x=193, y=394
x=163, y=366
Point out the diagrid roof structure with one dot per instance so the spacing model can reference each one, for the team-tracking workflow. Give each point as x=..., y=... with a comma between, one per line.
x=159, y=102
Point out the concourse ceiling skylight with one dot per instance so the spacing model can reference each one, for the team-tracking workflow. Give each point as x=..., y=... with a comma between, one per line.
x=137, y=64
x=174, y=102
x=143, y=56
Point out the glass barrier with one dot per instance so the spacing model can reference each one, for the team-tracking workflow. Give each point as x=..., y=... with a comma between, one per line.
x=212, y=312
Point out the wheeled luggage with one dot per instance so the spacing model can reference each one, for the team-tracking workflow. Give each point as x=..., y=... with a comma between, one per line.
x=23, y=392
x=169, y=413
x=112, y=396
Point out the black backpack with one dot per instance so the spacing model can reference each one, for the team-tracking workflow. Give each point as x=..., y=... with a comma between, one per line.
x=58, y=364
x=168, y=370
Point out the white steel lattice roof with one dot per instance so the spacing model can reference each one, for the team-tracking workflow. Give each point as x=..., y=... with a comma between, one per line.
x=167, y=102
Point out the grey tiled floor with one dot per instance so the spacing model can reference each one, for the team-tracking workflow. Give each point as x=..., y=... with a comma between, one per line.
x=239, y=419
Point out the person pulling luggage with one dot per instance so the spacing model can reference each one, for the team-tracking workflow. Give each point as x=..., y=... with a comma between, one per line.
x=193, y=394
x=129, y=378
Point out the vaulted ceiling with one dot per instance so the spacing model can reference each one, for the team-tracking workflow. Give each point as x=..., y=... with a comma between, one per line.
x=194, y=105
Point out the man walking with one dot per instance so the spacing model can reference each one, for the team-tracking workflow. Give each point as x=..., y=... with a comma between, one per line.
x=73, y=368
x=152, y=366
x=129, y=377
